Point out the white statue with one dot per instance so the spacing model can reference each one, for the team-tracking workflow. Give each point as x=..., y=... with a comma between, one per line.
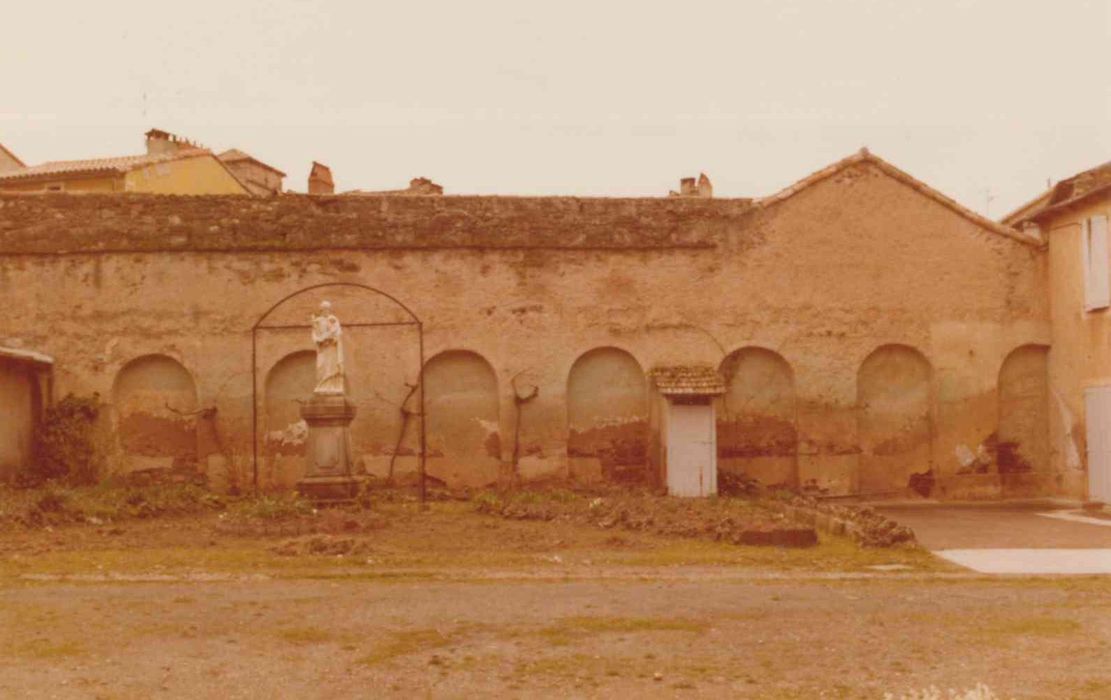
x=327, y=336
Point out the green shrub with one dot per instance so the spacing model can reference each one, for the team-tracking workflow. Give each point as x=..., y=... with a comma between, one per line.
x=64, y=444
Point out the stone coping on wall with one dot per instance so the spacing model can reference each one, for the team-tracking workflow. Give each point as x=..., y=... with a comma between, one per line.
x=43, y=224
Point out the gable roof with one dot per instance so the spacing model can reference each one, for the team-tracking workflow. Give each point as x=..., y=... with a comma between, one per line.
x=93, y=166
x=866, y=156
x=233, y=155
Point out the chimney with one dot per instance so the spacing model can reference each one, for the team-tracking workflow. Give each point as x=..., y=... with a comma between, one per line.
x=704, y=189
x=320, y=179
x=159, y=141
x=689, y=187
x=422, y=185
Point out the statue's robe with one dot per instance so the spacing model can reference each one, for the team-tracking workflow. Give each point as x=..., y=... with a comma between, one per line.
x=327, y=335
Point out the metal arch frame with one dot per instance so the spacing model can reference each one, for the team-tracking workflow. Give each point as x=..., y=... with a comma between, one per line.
x=260, y=325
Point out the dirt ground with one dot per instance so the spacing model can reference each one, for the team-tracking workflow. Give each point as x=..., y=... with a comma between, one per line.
x=451, y=603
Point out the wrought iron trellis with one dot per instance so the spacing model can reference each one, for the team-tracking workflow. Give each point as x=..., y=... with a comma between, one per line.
x=260, y=325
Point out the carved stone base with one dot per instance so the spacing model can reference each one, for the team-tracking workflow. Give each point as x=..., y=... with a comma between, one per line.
x=328, y=449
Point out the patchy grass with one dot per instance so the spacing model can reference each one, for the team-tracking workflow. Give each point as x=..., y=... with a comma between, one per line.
x=45, y=649
x=596, y=670
x=410, y=642
x=571, y=629
x=831, y=554
x=563, y=632
x=1033, y=627
x=312, y=635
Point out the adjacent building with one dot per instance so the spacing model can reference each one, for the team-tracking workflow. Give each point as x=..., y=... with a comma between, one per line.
x=171, y=165
x=258, y=178
x=1072, y=219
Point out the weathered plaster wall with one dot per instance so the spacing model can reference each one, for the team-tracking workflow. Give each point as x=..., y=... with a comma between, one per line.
x=111, y=183
x=756, y=417
x=607, y=417
x=529, y=285
x=154, y=401
x=895, y=420
x=464, y=435
x=1081, y=345
x=1023, y=447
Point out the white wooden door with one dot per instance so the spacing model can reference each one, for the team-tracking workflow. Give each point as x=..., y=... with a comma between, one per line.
x=691, y=458
x=1097, y=405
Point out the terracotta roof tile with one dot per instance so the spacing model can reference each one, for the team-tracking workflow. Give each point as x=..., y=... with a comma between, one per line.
x=691, y=380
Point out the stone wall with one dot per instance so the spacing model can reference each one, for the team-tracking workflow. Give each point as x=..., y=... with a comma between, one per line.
x=790, y=299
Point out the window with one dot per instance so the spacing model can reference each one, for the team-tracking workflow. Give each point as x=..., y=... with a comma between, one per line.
x=1097, y=264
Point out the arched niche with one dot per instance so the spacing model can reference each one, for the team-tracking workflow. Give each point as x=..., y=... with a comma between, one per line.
x=461, y=403
x=155, y=401
x=607, y=416
x=895, y=427
x=756, y=427
x=288, y=382
x=1023, y=428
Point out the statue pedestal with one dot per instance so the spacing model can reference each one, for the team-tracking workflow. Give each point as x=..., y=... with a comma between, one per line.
x=328, y=449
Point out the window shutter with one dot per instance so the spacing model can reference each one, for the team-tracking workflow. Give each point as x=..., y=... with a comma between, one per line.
x=1086, y=263
x=1099, y=264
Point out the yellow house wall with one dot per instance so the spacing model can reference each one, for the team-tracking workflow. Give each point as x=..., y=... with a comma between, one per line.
x=1081, y=354
x=113, y=183
x=199, y=175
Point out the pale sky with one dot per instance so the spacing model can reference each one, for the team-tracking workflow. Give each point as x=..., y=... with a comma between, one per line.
x=578, y=98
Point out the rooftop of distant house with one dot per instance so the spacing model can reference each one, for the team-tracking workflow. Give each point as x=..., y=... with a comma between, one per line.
x=161, y=147
x=1066, y=193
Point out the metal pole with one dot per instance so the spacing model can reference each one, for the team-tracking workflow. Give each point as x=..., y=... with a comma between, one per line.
x=254, y=410
x=420, y=379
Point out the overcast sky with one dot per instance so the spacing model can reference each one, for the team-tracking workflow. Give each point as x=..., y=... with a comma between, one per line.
x=584, y=98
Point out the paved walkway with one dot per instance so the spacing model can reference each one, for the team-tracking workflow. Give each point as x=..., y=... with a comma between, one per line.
x=1011, y=538
x=1031, y=561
